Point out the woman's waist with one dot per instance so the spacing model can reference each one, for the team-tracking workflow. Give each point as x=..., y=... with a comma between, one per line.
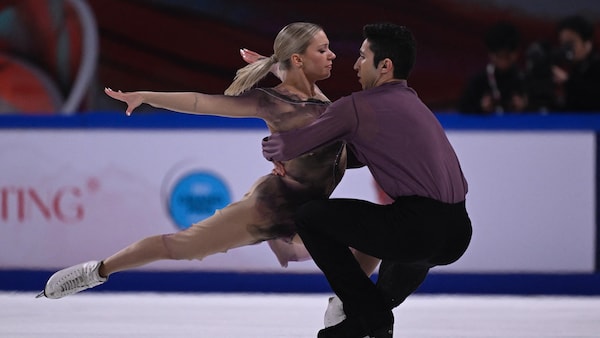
x=322, y=158
x=310, y=171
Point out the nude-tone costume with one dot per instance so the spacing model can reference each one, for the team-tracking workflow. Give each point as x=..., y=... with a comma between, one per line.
x=266, y=210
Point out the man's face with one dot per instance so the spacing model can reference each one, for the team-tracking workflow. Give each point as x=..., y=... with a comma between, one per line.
x=580, y=48
x=367, y=73
x=503, y=59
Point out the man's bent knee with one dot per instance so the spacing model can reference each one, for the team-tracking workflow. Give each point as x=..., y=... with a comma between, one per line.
x=307, y=214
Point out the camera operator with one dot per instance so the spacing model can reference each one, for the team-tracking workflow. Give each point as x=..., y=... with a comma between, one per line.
x=499, y=88
x=578, y=79
x=541, y=89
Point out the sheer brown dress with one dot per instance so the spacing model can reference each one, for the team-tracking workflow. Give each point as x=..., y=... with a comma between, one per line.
x=265, y=213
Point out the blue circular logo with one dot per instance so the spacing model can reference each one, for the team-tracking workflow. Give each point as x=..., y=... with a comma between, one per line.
x=196, y=196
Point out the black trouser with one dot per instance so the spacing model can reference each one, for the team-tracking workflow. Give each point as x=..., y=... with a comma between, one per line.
x=410, y=235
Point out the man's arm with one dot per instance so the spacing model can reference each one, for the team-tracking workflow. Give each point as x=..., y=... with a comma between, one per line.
x=336, y=123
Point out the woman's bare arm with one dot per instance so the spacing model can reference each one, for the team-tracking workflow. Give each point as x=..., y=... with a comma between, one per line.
x=187, y=102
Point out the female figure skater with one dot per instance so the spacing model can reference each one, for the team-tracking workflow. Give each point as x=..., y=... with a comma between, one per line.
x=301, y=50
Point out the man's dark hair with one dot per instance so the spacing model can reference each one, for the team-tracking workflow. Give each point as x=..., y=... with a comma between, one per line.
x=502, y=36
x=388, y=40
x=579, y=25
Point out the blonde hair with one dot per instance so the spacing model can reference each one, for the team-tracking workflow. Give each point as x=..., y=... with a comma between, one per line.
x=292, y=39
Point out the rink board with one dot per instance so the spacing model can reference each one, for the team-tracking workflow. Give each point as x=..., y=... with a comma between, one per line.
x=74, y=189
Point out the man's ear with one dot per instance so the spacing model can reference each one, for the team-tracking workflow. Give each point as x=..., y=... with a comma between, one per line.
x=386, y=65
x=588, y=46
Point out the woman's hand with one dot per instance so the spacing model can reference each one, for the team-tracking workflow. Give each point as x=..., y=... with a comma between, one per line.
x=250, y=56
x=133, y=99
x=279, y=169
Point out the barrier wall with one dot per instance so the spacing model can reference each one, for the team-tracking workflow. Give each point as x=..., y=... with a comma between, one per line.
x=79, y=188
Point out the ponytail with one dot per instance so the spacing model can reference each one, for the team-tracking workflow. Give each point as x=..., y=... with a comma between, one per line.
x=293, y=38
x=247, y=77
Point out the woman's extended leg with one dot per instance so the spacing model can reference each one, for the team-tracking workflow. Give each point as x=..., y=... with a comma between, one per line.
x=226, y=229
x=140, y=253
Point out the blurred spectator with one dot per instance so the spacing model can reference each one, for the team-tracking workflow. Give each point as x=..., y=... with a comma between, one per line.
x=578, y=76
x=540, y=87
x=499, y=88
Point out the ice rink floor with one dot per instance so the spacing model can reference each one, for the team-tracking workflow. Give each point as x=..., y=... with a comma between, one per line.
x=168, y=315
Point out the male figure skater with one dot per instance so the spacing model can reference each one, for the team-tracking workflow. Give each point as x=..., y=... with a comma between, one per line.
x=391, y=131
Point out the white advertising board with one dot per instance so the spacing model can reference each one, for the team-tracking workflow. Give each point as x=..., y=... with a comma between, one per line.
x=72, y=195
x=531, y=200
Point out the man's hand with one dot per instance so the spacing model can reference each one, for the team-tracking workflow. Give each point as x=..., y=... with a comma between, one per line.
x=269, y=149
x=559, y=75
x=519, y=102
x=487, y=103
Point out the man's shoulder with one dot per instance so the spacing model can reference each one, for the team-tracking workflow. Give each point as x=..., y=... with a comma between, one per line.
x=344, y=100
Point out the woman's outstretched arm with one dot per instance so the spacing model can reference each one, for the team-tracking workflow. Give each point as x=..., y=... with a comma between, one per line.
x=187, y=102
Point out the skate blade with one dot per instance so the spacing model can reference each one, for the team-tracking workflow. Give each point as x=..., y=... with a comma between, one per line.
x=41, y=294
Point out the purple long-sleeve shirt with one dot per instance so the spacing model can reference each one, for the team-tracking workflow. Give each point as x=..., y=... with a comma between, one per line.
x=391, y=131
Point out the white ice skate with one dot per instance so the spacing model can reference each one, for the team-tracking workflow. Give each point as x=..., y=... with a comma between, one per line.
x=335, y=312
x=72, y=280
